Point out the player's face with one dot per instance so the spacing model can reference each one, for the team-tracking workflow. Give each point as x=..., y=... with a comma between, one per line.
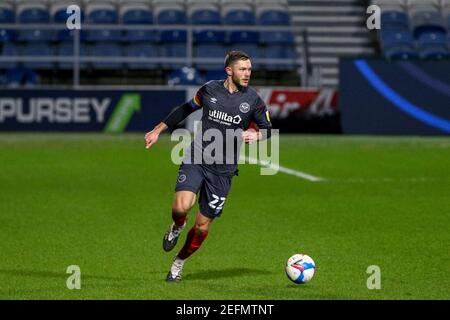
x=240, y=73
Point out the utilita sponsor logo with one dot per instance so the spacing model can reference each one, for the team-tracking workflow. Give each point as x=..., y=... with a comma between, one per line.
x=224, y=117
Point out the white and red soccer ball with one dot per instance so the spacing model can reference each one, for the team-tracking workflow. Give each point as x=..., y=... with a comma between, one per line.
x=300, y=268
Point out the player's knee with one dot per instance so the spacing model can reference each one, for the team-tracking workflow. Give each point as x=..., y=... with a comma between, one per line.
x=201, y=228
x=181, y=207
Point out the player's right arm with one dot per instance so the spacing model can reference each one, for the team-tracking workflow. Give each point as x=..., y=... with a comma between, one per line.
x=177, y=115
x=152, y=137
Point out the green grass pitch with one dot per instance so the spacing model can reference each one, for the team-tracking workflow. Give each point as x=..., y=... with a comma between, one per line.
x=103, y=202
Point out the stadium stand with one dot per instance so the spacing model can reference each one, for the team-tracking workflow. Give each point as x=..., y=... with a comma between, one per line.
x=166, y=43
x=412, y=29
x=7, y=15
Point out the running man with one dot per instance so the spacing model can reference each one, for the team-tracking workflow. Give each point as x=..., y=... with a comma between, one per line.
x=227, y=105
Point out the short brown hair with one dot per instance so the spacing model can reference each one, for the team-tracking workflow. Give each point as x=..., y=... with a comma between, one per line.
x=234, y=56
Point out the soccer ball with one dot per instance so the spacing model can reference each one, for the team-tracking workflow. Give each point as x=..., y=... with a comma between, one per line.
x=300, y=268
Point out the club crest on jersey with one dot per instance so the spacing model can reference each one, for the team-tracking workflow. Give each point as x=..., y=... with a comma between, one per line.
x=244, y=107
x=182, y=178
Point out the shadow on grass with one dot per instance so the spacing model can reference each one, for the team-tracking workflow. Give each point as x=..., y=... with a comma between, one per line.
x=225, y=273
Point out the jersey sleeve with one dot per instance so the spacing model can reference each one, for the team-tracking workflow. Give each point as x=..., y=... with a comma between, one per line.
x=261, y=115
x=181, y=112
x=262, y=119
x=197, y=101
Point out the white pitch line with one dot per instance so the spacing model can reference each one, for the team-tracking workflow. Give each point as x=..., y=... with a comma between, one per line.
x=289, y=171
x=387, y=180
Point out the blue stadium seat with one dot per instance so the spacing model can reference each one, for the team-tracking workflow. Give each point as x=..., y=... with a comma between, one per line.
x=102, y=13
x=209, y=36
x=394, y=20
x=36, y=35
x=434, y=52
x=175, y=50
x=7, y=35
x=391, y=38
x=206, y=14
x=273, y=15
x=102, y=50
x=240, y=14
x=38, y=50
x=400, y=52
x=398, y=44
x=173, y=36
x=104, y=35
x=210, y=51
x=427, y=21
x=8, y=50
x=432, y=39
x=236, y=14
x=141, y=36
x=433, y=46
x=244, y=37
x=276, y=37
x=185, y=76
x=286, y=53
x=171, y=14
x=138, y=13
x=65, y=49
x=7, y=15
x=142, y=51
x=34, y=13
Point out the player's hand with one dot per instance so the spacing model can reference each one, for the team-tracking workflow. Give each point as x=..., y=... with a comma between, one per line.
x=250, y=136
x=151, y=138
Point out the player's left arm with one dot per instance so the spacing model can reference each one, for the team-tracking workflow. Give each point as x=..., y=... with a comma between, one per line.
x=262, y=119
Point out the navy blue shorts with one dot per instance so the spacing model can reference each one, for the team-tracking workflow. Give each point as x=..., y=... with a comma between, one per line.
x=213, y=188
